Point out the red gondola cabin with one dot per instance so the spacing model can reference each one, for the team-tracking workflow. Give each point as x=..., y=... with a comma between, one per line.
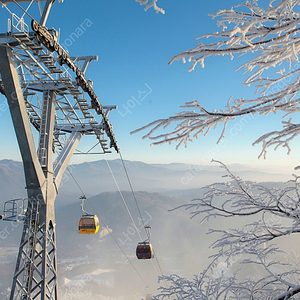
x=144, y=250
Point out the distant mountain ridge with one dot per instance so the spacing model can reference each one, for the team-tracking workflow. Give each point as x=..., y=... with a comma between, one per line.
x=181, y=245
x=106, y=176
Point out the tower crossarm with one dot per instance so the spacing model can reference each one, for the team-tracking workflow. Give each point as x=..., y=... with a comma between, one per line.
x=52, y=45
x=44, y=65
x=86, y=61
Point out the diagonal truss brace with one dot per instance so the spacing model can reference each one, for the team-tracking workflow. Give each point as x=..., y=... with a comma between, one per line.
x=33, y=171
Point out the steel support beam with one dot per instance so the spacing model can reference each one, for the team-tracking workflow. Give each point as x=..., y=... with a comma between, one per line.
x=46, y=12
x=36, y=270
x=34, y=175
x=65, y=155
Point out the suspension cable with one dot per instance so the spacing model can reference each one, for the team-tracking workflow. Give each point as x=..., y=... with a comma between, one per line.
x=83, y=194
x=126, y=206
x=133, y=193
x=115, y=240
x=136, y=202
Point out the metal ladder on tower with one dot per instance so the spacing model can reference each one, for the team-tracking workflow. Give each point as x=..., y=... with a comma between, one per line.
x=32, y=222
x=42, y=155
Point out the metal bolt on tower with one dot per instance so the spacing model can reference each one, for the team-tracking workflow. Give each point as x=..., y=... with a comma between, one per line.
x=49, y=97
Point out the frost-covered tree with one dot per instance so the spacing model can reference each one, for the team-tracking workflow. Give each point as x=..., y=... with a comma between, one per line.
x=270, y=33
x=249, y=261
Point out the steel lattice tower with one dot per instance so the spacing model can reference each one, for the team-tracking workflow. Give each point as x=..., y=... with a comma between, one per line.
x=46, y=91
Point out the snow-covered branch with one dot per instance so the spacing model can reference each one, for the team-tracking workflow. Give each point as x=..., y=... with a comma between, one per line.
x=265, y=215
x=272, y=33
x=272, y=36
x=151, y=4
x=278, y=209
x=205, y=287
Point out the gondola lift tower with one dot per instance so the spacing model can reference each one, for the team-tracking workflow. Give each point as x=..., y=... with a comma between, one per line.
x=49, y=97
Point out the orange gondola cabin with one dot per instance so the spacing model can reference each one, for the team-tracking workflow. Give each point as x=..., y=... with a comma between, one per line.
x=88, y=224
x=144, y=250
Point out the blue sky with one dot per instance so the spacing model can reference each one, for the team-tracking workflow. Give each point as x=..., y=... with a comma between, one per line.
x=134, y=48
